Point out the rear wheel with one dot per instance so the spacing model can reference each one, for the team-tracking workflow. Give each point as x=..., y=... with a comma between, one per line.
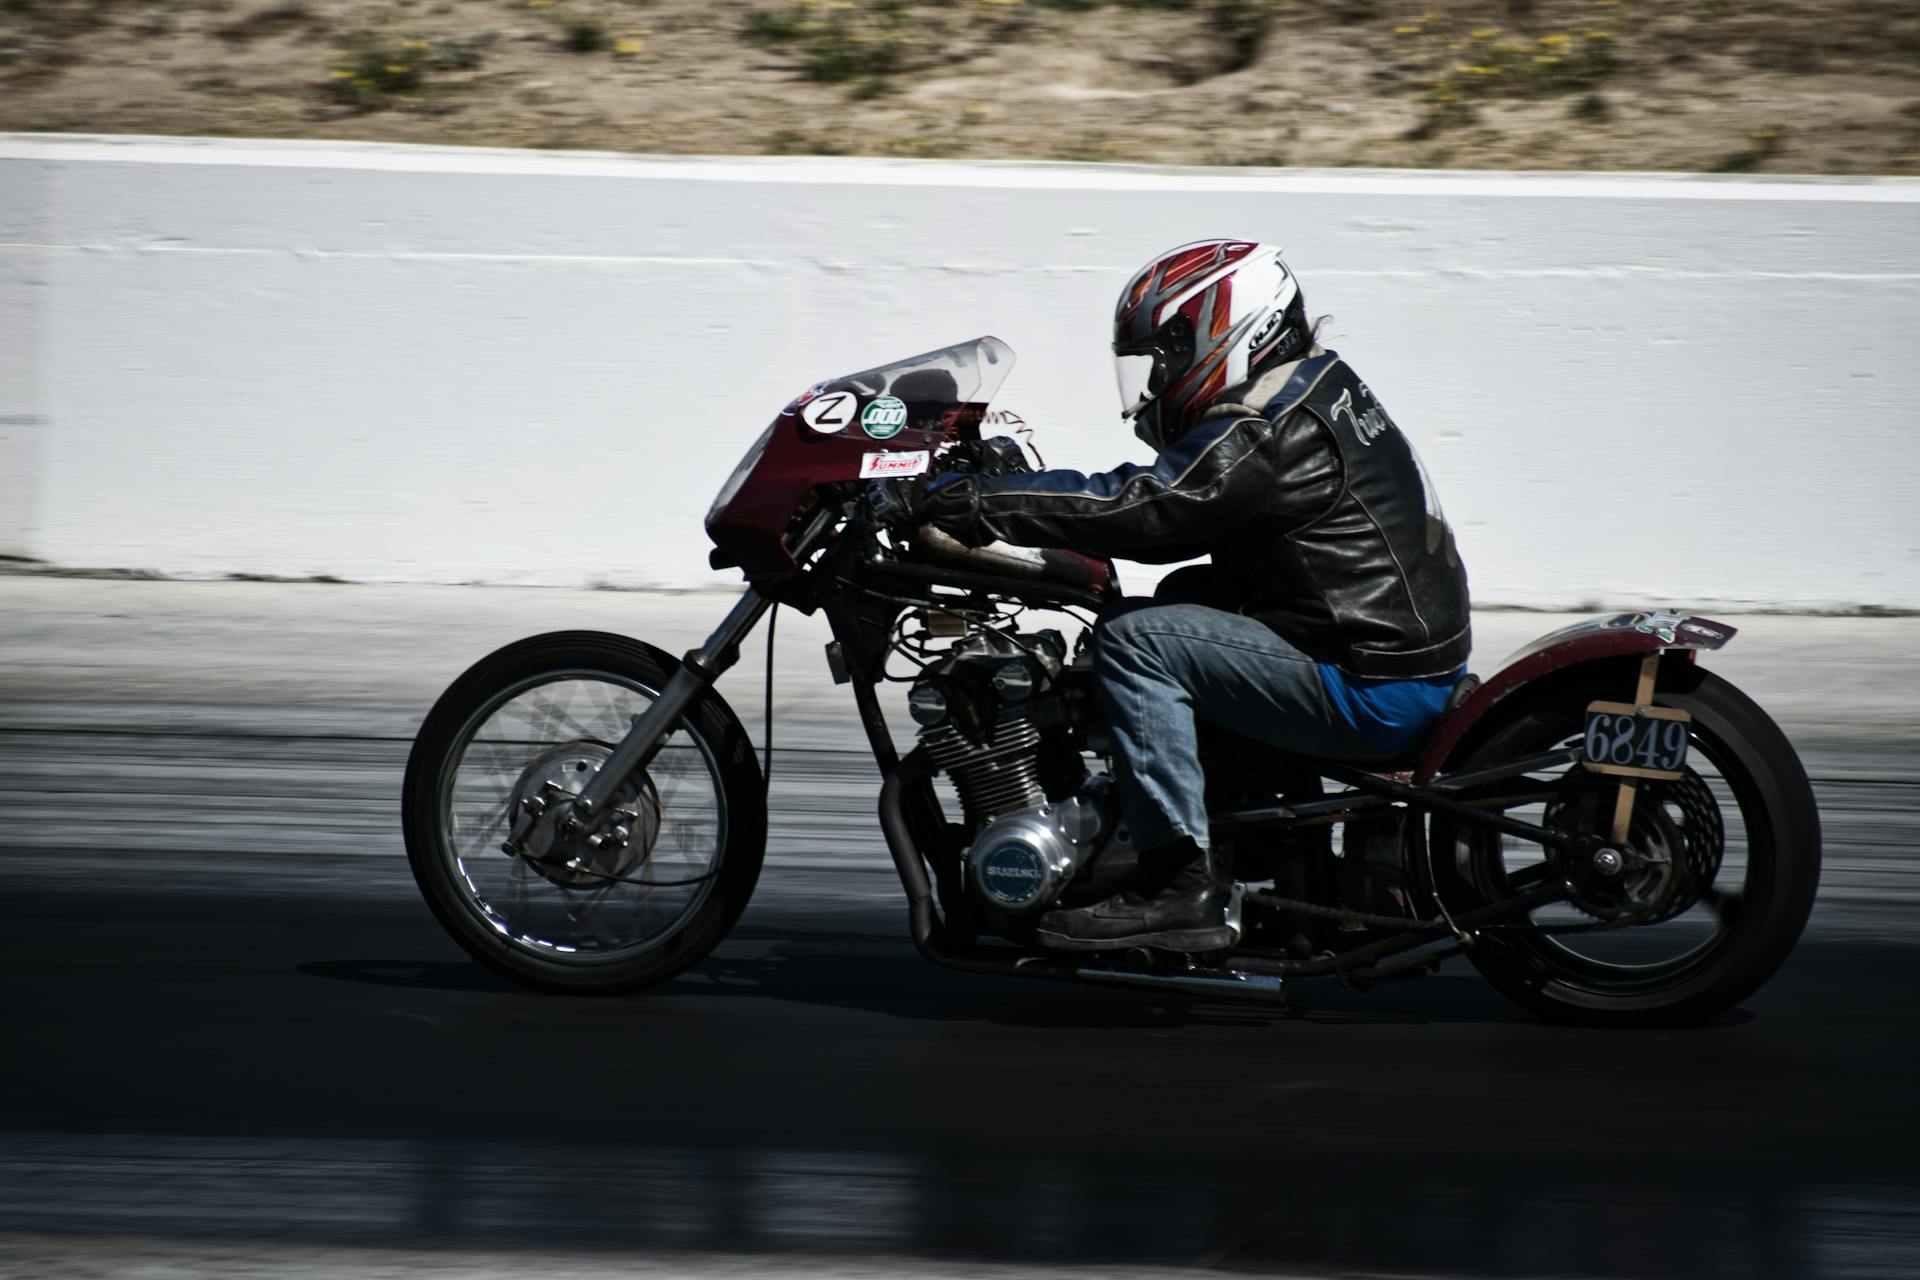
x=540, y=717
x=1722, y=864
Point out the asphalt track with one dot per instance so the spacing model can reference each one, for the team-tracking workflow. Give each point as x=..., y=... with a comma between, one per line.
x=235, y=1042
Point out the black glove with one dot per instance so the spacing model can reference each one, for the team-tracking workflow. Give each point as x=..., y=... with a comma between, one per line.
x=951, y=502
x=946, y=501
x=1002, y=456
x=898, y=503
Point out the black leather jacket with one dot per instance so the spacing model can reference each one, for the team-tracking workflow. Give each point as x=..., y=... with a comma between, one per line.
x=1318, y=516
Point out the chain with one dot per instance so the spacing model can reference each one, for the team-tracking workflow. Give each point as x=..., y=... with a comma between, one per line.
x=1409, y=922
x=1332, y=913
x=1597, y=926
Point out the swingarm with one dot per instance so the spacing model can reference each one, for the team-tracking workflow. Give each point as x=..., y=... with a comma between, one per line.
x=1440, y=796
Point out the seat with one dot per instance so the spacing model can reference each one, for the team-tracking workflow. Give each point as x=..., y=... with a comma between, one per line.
x=1246, y=757
x=1455, y=700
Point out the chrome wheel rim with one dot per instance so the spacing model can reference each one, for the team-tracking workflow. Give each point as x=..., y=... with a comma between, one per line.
x=623, y=909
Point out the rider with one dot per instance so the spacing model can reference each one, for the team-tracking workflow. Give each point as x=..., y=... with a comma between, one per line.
x=1333, y=617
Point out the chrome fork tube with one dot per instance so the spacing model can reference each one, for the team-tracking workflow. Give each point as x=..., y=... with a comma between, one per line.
x=698, y=670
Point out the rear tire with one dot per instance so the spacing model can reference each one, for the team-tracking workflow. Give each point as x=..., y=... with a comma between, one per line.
x=1755, y=931
x=468, y=881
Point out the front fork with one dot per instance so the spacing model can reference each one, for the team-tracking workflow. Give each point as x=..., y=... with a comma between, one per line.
x=575, y=817
x=545, y=825
x=698, y=670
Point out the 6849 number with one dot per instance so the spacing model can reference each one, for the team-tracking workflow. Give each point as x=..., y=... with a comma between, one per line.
x=1636, y=742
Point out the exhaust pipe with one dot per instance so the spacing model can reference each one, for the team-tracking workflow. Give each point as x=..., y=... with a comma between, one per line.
x=923, y=922
x=1233, y=983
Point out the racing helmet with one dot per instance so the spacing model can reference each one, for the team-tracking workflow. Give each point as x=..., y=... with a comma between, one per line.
x=1197, y=321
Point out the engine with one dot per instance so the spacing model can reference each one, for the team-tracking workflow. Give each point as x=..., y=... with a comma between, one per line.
x=1021, y=863
x=995, y=718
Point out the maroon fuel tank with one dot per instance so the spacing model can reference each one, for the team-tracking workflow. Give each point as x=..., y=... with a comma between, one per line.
x=1616, y=635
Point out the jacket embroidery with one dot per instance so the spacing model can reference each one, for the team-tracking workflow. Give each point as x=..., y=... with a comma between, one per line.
x=1369, y=424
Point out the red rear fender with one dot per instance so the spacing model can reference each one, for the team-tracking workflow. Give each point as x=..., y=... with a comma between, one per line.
x=1617, y=635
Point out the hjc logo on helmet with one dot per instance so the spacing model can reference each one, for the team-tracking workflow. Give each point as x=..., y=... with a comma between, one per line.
x=1265, y=333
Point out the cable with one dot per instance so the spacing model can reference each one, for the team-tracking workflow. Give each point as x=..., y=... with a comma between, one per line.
x=766, y=709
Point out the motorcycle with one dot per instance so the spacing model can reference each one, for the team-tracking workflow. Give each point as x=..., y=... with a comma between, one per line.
x=1609, y=832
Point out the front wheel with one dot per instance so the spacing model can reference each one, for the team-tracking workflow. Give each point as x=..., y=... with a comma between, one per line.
x=541, y=716
x=1726, y=860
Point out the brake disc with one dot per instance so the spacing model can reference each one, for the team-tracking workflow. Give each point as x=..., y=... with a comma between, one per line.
x=615, y=849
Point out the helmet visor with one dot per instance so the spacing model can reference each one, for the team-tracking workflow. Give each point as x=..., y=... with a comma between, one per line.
x=1135, y=374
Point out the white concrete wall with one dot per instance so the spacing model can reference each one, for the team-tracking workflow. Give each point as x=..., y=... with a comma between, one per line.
x=441, y=365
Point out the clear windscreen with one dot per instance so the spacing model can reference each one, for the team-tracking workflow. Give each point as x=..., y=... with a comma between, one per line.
x=968, y=373
x=944, y=390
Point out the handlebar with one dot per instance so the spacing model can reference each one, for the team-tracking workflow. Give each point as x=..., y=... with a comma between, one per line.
x=994, y=456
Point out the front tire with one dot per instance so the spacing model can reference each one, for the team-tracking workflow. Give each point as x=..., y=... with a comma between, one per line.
x=552, y=707
x=1725, y=943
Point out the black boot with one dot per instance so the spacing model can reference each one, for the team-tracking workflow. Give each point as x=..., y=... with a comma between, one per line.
x=1179, y=903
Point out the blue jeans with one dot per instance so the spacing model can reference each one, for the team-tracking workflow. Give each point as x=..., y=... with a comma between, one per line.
x=1160, y=669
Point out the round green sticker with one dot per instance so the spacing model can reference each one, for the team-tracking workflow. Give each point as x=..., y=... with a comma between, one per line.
x=884, y=418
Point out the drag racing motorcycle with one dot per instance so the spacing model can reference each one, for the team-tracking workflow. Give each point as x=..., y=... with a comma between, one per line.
x=1609, y=832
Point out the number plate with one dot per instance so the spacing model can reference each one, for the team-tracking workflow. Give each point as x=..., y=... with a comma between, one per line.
x=1635, y=742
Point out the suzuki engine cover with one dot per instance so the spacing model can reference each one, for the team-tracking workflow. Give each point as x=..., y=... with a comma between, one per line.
x=1021, y=862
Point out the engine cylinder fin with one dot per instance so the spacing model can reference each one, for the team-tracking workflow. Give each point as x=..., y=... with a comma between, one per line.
x=998, y=775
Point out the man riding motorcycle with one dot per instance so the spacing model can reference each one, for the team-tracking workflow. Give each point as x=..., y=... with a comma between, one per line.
x=1333, y=617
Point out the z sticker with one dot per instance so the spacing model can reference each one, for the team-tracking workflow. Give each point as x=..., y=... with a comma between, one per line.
x=878, y=466
x=884, y=418
x=830, y=413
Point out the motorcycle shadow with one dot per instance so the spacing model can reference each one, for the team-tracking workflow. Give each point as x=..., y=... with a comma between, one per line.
x=417, y=975
x=865, y=973
x=859, y=971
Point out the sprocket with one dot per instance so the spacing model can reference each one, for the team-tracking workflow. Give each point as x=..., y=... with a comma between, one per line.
x=1672, y=853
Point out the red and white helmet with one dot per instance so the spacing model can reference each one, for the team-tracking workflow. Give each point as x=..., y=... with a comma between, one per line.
x=1197, y=321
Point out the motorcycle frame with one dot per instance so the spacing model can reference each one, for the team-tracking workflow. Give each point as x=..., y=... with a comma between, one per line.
x=913, y=821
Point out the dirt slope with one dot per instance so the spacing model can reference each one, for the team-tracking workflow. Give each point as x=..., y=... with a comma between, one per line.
x=1794, y=86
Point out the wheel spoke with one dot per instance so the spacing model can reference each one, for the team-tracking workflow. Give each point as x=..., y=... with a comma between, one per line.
x=588, y=917
x=617, y=720
x=672, y=765
x=552, y=716
x=482, y=835
x=517, y=885
x=496, y=771
x=535, y=735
